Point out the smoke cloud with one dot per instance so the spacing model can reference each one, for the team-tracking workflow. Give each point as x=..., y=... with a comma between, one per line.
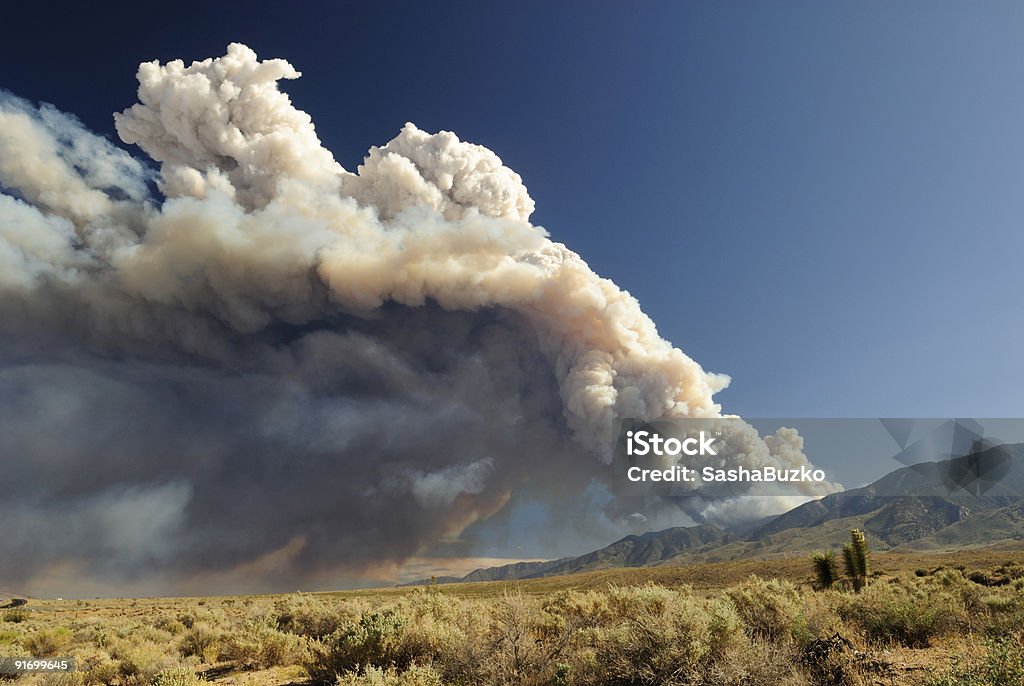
x=244, y=352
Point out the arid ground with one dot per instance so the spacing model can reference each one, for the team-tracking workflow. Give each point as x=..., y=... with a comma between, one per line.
x=936, y=619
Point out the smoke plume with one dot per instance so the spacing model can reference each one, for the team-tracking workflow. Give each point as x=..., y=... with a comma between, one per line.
x=244, y=359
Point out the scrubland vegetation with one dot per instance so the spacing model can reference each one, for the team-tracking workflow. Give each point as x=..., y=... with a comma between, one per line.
x=899, y=629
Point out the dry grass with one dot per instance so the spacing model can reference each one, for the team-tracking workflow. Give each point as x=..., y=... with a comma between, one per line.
x=749, y=622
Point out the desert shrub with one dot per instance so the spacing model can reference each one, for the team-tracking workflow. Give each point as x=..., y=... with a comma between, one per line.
x=658, y=637
x=1005, y=614
x=1003, y=603
x=257, y=644
x=625, y=600
x=169, y=624
x=438, y=630
x=139, y=663
x=47, y=642
x=581, y=609
x=200, y=640
x=15, y=615
x=972, y=611
x=372, y=641
x=1002, y=665
x=176, y=676
x=60, y=679
x=416, y=675
x=769, y=609
x=310, y=616
x=148, y=632
x=818, y=618
x=454, y=635
x=8, y=637
x=758, y=664
x=97, y=669
x=906, y=612
x=518, y=654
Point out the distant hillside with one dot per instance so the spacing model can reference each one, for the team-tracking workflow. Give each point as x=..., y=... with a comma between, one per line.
x=933, y=506
x=932, y=484
x=984, y=528
x=644, y=550
x=517, y=570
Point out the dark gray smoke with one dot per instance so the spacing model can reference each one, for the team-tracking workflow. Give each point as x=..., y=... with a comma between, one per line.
x=278, y=371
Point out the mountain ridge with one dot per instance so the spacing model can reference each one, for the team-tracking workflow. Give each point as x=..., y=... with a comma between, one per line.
x=921, y=507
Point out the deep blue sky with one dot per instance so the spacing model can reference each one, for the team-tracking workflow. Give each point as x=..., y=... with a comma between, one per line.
x=822, y=200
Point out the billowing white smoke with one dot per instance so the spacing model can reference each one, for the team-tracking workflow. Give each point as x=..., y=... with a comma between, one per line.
x=260, y=230
x=445, y=221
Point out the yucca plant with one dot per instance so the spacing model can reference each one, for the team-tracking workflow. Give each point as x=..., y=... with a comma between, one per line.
x=855, y=559
x=825, y=571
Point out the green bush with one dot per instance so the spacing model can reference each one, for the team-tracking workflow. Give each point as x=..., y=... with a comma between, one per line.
x=257, y=644
x=200, y=640
x=374, y=640
x=373, y=676
x=826, y=573
x=169, y=624
x=309, y=616
x=909, y=612
x=139, y=663
x=177, y=676
x=60, y=679
x=97, y=669
x=855, y=559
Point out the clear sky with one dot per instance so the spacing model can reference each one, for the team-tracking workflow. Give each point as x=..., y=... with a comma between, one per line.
x=822, y=200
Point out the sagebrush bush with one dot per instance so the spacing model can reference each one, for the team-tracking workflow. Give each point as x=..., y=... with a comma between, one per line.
x=200, y=640
x=97, y=669
x=443, y=631
x=373, y=676
x=60, y=679
x=140, y=662
x=169, y=624
x=47, y=642
x=769, y=608
x=258, y=644
x=658, y=636
x=15, y=616
x=176, y=676
x=756, y=633
x=310, y=616
x=908, y=611
x=518, y=651
x=374, y=640
x=1003, y=665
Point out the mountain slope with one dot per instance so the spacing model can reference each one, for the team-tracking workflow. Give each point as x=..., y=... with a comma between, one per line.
x=632, y=551
x=984, y=528
x=645, y=550
x=933, y=484
x=964, y=502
